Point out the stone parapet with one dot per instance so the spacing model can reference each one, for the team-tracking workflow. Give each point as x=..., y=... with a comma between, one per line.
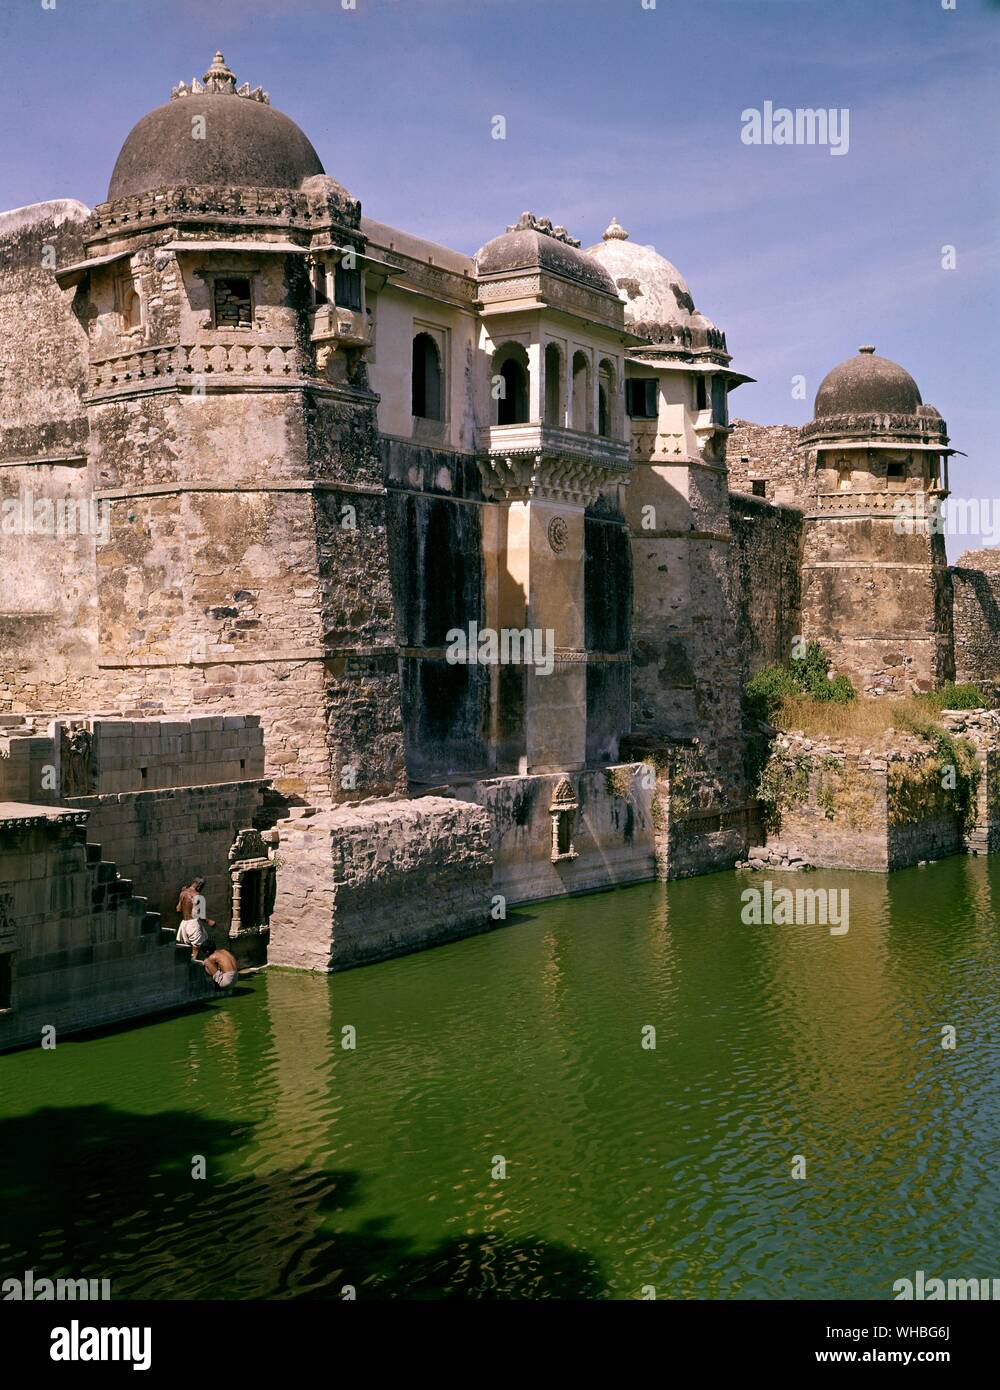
x=360, y=883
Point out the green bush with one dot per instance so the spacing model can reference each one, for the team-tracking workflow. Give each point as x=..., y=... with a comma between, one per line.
x=804, y=675
x=766, y=691
x=952, y=696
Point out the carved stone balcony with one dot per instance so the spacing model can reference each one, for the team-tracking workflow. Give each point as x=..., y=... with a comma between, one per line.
x=526, y=461
x=868, y=504
x=333, y=325
x=168, y=364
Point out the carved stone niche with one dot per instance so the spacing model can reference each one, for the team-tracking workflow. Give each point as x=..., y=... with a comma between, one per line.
x=76, y=770
x=254, y=883
x=562, y=809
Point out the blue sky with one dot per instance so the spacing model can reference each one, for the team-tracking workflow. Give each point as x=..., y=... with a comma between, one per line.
x=611, y=109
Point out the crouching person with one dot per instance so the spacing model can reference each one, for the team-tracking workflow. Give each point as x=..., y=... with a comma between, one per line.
x=221, y=967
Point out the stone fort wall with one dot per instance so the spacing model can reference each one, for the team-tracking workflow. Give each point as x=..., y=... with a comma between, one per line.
x=765, y=592
x=48, y=598
x=165, y=799
x=975, y=583
x=86, y=950
x=767, y=461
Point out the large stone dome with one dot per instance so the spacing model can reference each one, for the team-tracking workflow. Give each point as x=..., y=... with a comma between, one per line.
x=658, y=302
x=654, y=290
x=867, y=385
x=534, y=244
x=247, y=143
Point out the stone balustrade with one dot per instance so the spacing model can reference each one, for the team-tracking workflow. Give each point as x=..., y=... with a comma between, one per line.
x=166, y=364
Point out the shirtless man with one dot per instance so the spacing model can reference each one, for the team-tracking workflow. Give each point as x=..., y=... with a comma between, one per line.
x=191, y=905
x=221, y=967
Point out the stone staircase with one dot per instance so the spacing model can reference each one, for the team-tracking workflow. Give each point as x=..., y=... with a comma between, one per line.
x=111, y=892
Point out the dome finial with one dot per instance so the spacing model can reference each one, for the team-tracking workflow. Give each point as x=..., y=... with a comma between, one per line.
x=867, y=349
x=615, y=231
x=219, y=78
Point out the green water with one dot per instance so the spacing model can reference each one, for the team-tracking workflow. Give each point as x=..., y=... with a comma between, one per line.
x=626, y=1167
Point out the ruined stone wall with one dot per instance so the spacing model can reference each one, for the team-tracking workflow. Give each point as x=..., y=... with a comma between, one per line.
x=47, y=526
x=86, y=951
x=162, y=840
x=975, y=583
x=764, y=583
x=124, y=755
x=360, y=883
x=834, y=804
x=769, y=456
x=981, y=727
x=704, y=809
x=612, y=832
x=166, y=798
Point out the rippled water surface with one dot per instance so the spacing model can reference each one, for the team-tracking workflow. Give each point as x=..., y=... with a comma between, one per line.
x=626, y=1166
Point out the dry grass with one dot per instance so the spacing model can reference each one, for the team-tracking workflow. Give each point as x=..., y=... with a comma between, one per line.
x=861, y=719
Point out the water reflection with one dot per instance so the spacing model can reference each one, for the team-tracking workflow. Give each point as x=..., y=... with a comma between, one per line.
x=373, y=1166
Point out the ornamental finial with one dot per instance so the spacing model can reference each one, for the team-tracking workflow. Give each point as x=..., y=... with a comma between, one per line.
x=615, y=231
x=219, y=80
x=528, y=222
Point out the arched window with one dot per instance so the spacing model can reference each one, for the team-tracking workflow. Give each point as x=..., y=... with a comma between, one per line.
x=553, y=385
x=606, y=399
x=133, y=309
x=582, y=410
x=511, y=391
x=127, y=301
x=427, y=378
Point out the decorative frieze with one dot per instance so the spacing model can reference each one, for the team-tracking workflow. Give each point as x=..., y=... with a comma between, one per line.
x=861, y=503
x=925, y=429
x=165, y=364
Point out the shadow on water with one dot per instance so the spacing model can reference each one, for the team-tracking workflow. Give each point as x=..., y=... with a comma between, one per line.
x=95, y=1192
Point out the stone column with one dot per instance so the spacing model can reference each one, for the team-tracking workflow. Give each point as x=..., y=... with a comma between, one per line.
x=535, y=546
x=541, y=590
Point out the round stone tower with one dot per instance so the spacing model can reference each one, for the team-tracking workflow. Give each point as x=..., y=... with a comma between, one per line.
x=233, y=440
x=875, y=584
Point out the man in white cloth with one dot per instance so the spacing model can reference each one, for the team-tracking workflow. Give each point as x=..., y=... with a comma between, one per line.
x=194, y=917
x=221, y=967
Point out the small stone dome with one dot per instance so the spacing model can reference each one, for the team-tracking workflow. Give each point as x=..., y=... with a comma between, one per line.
x=654, y=290
x=867, y=385
x=534, y=244
x=247, y=144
